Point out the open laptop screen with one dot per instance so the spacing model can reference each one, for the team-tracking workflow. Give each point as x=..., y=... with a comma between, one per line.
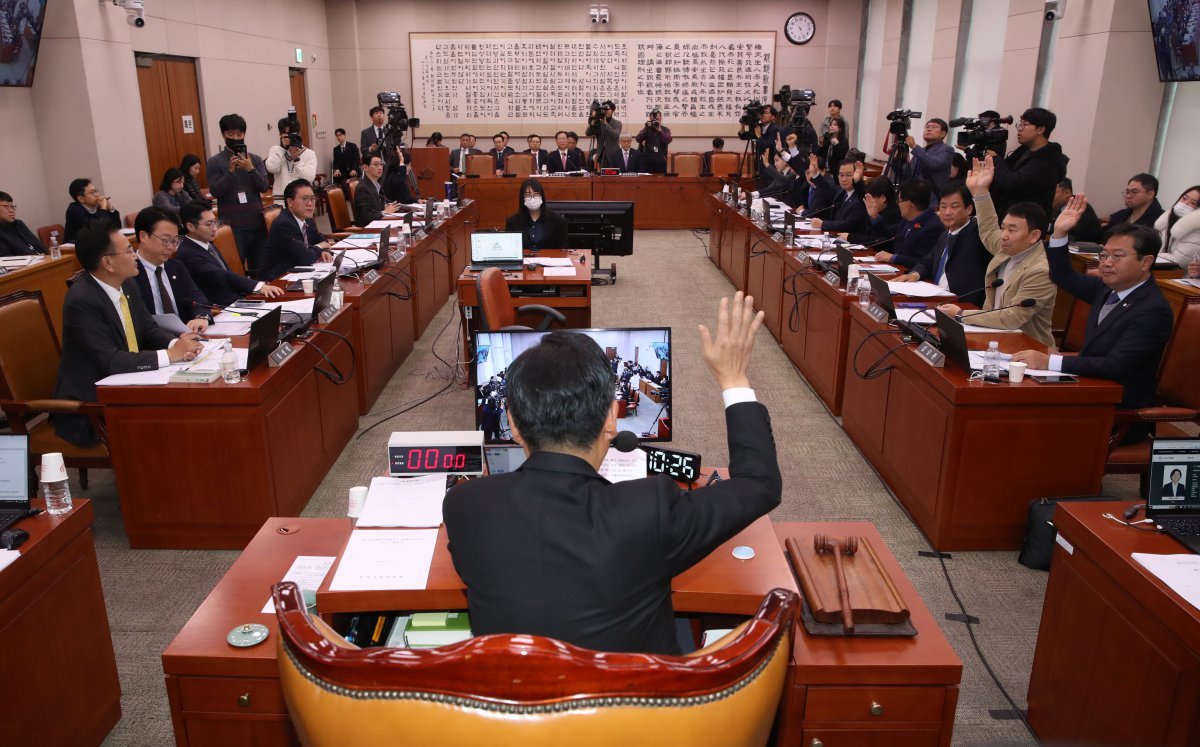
x=1174, y=476
x=496, y=247
x=14, y=470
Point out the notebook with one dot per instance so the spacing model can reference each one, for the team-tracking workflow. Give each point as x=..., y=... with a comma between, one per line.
x=500, y=250
x=14, y=478
x=1173, y=501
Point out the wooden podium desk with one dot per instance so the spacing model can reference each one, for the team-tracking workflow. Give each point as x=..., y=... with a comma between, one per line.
x=498, y=197
x=60, y=685
x=49, y=276
x=203, y=465
x=1118, y=652
x=964, y=457
x=834, y=682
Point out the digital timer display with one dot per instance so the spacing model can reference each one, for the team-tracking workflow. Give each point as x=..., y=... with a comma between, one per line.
x=437, y=459
x=681, y=465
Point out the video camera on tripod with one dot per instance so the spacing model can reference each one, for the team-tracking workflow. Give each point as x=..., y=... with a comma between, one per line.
x=897, y=169
x=981, y=134
x=794, y=105
x=751, y=114
x=398, y=121
x=900, y=122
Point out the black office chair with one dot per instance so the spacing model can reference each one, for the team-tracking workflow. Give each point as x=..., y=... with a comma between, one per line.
x=496, y=311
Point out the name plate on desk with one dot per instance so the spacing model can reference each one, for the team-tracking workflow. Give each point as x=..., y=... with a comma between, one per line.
x=833, y=279
x=370, y=277
x=878, y=314
x=777, y=237
x=396, y=255
x=280, y=354
x=931, y=355
x=327, y=313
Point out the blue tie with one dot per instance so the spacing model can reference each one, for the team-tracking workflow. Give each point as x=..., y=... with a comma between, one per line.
x=941, y=268
x=1109, y=305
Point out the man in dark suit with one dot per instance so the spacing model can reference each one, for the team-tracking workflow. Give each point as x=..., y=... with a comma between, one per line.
x=369, y=203
x=563, y=159
x=106, y=329
x=580, y=157
x=554, y=549
x=1141, y=202
x=458, y=156
x=374, y=138
x=1130, y=321
x=919, y=228
x=205, y=264
x=347, y=162
x=87, y=206
x=959, y=260
x=625, y=157
x=849, y=212
x=165, y=284
x=15, y=237
x=499, y=153
x=767, y=132
x=535, y=149
x=294, y=239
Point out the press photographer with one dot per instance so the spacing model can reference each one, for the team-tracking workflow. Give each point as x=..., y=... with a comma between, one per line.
x=1032, y=171
x=603, y=126
x=290, y=160
x=932, y=161
x=652, y=142
x=982, y=136
x=897, y=168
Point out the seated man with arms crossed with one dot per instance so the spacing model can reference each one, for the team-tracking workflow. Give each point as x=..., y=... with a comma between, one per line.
x=1130, y=321
x=554, y=549
x=106, y=328
x=1017, y=258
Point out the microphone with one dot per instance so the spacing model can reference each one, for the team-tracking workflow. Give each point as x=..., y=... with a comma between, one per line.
x=1025, y=303
x=807, y=214
x=916, y=331
x=626, y=441
x=993, y=285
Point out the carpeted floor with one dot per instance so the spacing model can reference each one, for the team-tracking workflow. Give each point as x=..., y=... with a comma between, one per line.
x=668, y=281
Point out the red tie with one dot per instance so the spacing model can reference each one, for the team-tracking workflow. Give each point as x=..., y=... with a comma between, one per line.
x=564, y=157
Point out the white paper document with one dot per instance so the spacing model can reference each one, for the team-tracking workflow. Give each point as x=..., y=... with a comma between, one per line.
x=378, y=224
x=1189, y=282
x=171, y=323
x=1179, y=572
x=549, y=261
x=22, y=261
x=558, y=272
x=976, y=357
x=404, y=502
x=822, y=256
x=227, y=329
x=208, y=360
x=7, y=557
x=386, y=559
x=308, y=572
x=917, y=289
x=620, y=466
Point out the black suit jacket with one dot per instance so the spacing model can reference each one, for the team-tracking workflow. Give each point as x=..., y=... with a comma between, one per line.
x=190, y=303
x=498, y=156
x=616, y=160
x=554, y=162
x=554, y=230
x=368, y=203
x=540, y=158
x=347, y=159
x=78, y=217
x=456, y=154
x=286, y=247
x=1128, y=347
x=213, y=277
x=16, y=240
x=966, y=267
x=1174, y=491
x=850, y=215
x=94, y=346
x=368, y=138
x=554, y=549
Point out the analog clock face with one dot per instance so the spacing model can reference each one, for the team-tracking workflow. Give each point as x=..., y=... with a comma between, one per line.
x=800, y=28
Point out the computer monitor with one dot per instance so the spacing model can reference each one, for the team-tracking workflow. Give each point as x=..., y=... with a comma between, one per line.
x=604, y=227
x=641, y=385
x=489, y=246
x=883, y=295
x=264, y=334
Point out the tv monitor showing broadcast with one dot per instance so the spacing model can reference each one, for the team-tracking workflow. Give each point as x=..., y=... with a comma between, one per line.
x=604, y=227
x=1175, y=26
x=20, y=37
x=641, y=360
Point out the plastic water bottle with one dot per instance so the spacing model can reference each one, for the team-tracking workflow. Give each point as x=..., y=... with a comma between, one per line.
x=55, y=249
x=229, y=365
x=991, y=362
x=55, y=489
x=337, y=296
x=864, y=292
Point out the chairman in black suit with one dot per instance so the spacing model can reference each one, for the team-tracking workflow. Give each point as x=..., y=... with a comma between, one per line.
x=554, y=549
x=294, y=239
x=204, y=262
x=958, y=261
x=1130, y=321
x=625, y=157
x=563, y=158
x=166, y=285
x=106, y=328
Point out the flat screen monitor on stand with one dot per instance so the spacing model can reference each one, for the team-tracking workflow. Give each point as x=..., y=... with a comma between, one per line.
x=604, y=227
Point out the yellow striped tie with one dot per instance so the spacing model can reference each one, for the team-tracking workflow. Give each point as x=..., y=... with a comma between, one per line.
x=127, y=322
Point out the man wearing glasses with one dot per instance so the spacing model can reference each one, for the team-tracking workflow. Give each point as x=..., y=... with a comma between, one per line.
x=15, y=237
x=1130, y=321
x=106, y=329
x=204, y=262
x=166, y=285
x=1141, y=202
x=1032, y=171
x=294, y=239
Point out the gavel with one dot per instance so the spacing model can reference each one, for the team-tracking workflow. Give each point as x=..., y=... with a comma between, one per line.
x=837, y=545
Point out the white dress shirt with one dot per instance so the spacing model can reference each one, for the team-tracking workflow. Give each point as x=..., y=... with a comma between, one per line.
x=150, y=268
x=114, y=296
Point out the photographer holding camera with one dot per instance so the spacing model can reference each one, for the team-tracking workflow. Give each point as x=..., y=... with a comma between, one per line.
x=290, y=160
x=1032, y=171
x=932, y=161
x=653, y=141
x=607, y=133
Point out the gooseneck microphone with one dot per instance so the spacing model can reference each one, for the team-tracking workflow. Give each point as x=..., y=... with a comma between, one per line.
x=928, y=310
x=626, y=441
x=1024, y=303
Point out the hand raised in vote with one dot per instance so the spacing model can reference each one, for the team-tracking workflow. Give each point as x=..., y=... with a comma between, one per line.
x=1070, y=215
x=859, y=170
x=814, y=166
x=1033, y=359
x=979, y=178
x=727, y=353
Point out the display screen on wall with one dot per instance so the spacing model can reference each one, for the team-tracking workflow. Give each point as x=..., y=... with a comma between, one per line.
x=20, y=35
x=697, y=78
x=1176, y=28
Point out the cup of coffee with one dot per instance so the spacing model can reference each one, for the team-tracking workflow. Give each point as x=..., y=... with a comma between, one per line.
x=306, y=285
x=1016, y=372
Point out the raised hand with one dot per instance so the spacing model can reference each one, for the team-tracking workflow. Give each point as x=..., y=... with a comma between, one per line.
x=728, y=352
x=1070, y=215
x=979, y=178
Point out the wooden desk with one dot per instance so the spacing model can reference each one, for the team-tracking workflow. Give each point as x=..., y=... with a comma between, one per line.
x=439, y=249
x=1177, y=293
x=432, y=167
x=60, y=685
x=1118, y=653
x=964, y=457
x=49, y=276
x=203, y=465
x=834, y=681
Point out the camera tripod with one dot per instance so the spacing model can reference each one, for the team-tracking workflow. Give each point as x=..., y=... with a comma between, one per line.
x=653, y=420
x=897, y=170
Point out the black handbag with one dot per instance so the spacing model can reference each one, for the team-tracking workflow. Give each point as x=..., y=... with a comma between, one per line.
x=1038, y=544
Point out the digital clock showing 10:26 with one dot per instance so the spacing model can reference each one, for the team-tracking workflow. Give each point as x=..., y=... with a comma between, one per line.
x=680, y=465
x=437, y=459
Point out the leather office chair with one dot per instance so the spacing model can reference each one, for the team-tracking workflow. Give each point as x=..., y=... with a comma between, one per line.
x=339, y=212
x=1178, y=394
x=29, y=358
x=508, y=690
x=686, y=164
x=320, y=184
x=519, y=164
x=481, y=164
x=227, y=246
x=45, y=231
x=270, y=214
x=724, y=164
x=635, y=398
x=496, y=311
x=353, y=185
x=1076, y=326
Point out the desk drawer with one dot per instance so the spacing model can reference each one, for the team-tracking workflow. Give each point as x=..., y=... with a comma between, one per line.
x=231, y=695
x=870, y=738
x=886, y=705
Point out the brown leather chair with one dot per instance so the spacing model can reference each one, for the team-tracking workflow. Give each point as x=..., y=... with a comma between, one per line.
x=29, y=358
x=724, y=164
x=339, y=212
x=270, y=213
x=320, y=184
x=352, y=184
x=1076, y=326
x=227, y=246
x=520, y=164
x=480, y=164
x=686, y=164
x=496, y=311
x=532, y=691
x=635, y=398
x=45, y=231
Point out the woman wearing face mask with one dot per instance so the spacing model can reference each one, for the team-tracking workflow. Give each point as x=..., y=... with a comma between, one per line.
x=539, y=227
x=1180, y=230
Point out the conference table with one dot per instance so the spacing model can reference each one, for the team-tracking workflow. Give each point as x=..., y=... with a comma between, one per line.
x=47, y=276
x=1177, y=292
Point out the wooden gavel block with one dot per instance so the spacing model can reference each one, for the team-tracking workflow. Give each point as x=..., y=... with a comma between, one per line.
x=837, y=545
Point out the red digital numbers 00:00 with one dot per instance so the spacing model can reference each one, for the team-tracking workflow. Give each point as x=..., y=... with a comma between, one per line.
x=428, y=459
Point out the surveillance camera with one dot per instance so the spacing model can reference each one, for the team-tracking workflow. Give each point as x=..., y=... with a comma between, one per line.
x=138, y=20
x=1054, y=10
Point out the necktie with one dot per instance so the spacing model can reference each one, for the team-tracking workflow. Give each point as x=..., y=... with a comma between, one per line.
x=212, y=250
x=626, y=160
x=1109, y=305
x=564, y=157
x=941, y=268
x=127, y=323
x=164, y=296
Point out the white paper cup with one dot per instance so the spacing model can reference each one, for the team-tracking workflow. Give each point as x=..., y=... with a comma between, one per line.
x=53, y=468
x=358, y=498
x=307, y=285
x=1016, y=371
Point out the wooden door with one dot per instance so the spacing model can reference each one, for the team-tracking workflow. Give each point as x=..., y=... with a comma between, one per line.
x=300, y=101
x=170, y=100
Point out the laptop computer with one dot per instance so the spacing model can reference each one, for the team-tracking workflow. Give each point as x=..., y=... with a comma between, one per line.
x=297, y=286
x=500, y=250
x=953, y=340
x=501, y=459
x=14, y=478
x=264, y=334
x=883, y=295
x=296, y=322
x=1173, y=501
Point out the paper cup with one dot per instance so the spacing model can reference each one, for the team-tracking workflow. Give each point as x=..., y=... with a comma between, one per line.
x=307, y=285
x=358, y=498
x=1016, y=371
x=53, y=468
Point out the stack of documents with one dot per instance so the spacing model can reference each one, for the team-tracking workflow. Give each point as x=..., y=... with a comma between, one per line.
x=208, y=360
x=308, y=572
x=385, y=560
x=404, y=502
x=1181, y=573
x=917, y=289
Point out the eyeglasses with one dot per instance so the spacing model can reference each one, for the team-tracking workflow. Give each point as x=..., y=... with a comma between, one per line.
x=214, y=223
x=167, y=240
x=307, y=199
x=8, y=205
x=118, y=254
x=1106, y=257
x=1134, y=192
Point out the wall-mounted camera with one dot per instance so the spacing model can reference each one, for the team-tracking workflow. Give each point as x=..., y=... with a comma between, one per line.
x=598, y=13
x=1055, y=10
x=135, y=11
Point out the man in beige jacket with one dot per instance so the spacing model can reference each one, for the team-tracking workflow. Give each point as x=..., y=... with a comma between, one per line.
x=1018, y=258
